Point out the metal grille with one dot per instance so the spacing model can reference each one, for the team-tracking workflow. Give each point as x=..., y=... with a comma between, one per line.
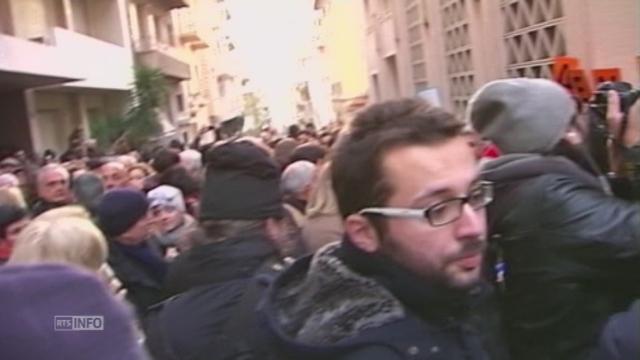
x=458, y=52
x=415, y=21
x=534, y=35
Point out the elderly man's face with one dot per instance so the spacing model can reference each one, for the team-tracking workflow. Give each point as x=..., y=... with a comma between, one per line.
x=114, y=175
x=53, y=186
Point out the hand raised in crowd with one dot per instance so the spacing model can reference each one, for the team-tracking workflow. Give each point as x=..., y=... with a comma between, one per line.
x=615, y=119
x=114, y=284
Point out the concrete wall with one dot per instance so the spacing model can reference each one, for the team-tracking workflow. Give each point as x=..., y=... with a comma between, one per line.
x=107, y=21
x=33, y=18
x=6, y=22
x=605, y=34
x=22, y=56
x=56, y=117
x=103, y=65
x=55, y=114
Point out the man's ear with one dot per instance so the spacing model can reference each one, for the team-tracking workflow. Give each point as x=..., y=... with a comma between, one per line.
x=362, y=233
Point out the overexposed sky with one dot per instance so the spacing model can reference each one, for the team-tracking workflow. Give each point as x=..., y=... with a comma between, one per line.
x=270, y=37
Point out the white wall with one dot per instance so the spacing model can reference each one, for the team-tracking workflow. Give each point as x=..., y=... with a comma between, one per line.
x=102, y=65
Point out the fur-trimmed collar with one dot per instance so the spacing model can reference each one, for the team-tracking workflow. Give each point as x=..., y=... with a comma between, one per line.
x=330, y=302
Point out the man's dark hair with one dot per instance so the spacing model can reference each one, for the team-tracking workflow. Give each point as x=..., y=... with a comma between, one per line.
x=356, y=169
x=164, y=158
x=177, y=176
x=9, y=214
x=176, y=145
x=308, y=152
x=293, y=131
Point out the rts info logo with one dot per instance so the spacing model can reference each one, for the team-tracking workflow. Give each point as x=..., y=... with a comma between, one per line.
x=79, y=323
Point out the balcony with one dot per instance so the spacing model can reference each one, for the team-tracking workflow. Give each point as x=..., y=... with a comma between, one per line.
x=64, y=57
x=189, y=33
x=168, y=4
x=100, y=64
x=189, y=36
x=161, y=56
x=25, y=64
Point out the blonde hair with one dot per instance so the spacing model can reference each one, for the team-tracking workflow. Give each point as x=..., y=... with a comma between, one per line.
x=64, y=235
x=146, y=169
x=322, y=200
x=12, y=196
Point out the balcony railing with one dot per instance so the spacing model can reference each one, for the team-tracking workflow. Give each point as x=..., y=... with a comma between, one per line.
x=162, y=56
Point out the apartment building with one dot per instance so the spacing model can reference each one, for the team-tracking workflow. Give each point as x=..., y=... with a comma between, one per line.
x=454, y=46
x=341, y=48
x=157, y=44
x=62, y=62
x=195, y=32
x=228, y=82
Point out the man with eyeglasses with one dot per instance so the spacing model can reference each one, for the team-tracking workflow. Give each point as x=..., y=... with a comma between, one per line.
x=568, y=252
x=405, y=281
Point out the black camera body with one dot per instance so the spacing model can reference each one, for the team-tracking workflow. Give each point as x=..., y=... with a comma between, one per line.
x=599, y=133
x=628, y=96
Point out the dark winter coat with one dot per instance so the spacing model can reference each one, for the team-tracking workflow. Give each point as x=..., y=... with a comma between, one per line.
x=571, y=254
x=321, y=308
x=144, y=283
x=213, y=315
x=620, y=339
x=235, y=258
x=42, y=206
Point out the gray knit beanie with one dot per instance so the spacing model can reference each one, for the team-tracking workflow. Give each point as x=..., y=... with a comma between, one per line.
x=521, y=115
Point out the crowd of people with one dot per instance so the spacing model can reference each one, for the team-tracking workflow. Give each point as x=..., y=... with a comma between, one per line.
x=407, y=234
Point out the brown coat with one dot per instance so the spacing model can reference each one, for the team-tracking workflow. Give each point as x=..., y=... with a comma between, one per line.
x=321, y=230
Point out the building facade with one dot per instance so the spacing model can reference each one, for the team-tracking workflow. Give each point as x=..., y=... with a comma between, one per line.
x=341, y=48
x=451, y=47
x=62, y=62
x=157, y=44
x=228, y=83
x=66, y=62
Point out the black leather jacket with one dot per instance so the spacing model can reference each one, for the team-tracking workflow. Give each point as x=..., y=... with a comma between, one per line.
x=571, y=254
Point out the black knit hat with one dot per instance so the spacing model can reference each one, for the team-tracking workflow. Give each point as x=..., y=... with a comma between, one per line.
x=242, y=183
x=120, y=209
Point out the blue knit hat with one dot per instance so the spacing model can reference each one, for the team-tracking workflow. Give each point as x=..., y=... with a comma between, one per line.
x=37, y=303
x=120, y=209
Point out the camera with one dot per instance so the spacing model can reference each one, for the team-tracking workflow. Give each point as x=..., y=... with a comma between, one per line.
x=628, y=96
x=599, y=133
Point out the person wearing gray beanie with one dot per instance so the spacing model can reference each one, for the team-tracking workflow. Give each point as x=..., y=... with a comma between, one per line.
x=522, y=115
x=570, y=248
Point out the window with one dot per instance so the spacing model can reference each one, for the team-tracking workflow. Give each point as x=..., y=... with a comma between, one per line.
x=180, y=102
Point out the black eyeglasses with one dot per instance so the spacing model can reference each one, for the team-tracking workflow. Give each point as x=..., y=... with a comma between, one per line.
x=444, y=212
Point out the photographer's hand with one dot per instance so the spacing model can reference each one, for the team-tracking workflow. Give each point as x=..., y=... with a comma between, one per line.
x=631, y=136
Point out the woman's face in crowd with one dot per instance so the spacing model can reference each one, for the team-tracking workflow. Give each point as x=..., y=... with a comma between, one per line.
x=136, y=179
x=167, y=218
